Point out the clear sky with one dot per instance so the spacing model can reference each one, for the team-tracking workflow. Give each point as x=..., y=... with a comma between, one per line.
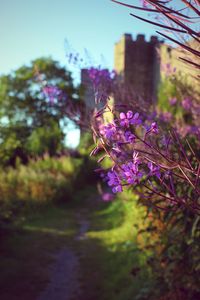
x=33, y=28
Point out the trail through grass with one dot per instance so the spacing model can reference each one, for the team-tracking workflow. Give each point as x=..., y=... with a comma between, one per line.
x=86, y=244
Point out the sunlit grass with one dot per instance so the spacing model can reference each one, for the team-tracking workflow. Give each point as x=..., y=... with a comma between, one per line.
x=111, y=251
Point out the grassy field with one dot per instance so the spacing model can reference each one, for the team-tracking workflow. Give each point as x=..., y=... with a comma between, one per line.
x=107, y=253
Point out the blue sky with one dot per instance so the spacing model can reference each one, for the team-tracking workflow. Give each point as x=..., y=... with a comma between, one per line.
x=33, y=28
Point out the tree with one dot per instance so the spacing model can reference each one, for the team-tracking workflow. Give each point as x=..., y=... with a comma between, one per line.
x=33, y=102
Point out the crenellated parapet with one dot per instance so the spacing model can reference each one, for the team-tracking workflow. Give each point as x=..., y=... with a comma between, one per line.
x=137, y=64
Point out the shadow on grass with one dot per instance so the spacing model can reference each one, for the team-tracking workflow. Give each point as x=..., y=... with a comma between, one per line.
x=27, y=251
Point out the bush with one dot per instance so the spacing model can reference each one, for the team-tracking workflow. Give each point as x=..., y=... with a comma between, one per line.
x=37, y=184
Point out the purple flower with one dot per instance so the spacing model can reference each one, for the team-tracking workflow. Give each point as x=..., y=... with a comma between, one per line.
x=166, y=141
x=152, y=115
x=107, y=197
x=184, y=130
x=153, y=128
x=51, y=92
x=154, y=170
x=124, y=119
x=166, y=116
x=130, y=171
x=102, y=81
x=129, y=137
x=108, y=130
x=168, y=69
x=117, y=189
x=113, y=180
x=173, y=101
x=136, y=159
x=144, y=3
x=129, y=118
x=186, y=103
x=116, y=150
x=99, y=76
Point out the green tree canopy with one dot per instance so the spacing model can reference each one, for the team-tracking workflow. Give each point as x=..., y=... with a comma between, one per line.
x=33, y=101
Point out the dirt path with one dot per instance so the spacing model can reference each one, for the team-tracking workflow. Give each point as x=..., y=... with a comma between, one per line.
x=63, y=277
x=64, y=273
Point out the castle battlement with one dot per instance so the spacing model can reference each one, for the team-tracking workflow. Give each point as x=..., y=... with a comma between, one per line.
x=140, y=38
x=136, y=61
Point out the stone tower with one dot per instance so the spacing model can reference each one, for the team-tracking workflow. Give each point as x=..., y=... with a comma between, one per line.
x=137, y=64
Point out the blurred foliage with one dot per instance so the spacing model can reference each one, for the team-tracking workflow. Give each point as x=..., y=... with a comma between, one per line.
x=173, y=245
x=178, y=87
x=46, y=139
x=166, y=90
x=30, y=123
x=86, y=143
x=41, y=182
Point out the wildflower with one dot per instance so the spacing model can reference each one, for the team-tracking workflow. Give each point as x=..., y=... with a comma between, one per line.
x=107, y=197
x=51, y=92
x=173, y=101
x=113, y=180
x=166, y=116
x=129, y=118
x=129, y=137
x=108, y=130
x=116, y=150
x=117, y=189
x=130, y=171
x=136, y=159
x=168, y=69
x=186, y=103
x=154, y=170
x=153, y=128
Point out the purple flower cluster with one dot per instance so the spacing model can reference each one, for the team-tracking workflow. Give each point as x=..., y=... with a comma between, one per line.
x=127, y=119
x=130, y=171
x=108, y=131
x=114, y=181
x=129, y=137
x=153, y=128
x=168, y=69
x=186, y=103
x=154, y=170
x=98, y=75
x=107, y=197
x=166, y=116
x=102, y=80
x=143, y=155
x=119, y=134
x=52, y=93
x=173, y=101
